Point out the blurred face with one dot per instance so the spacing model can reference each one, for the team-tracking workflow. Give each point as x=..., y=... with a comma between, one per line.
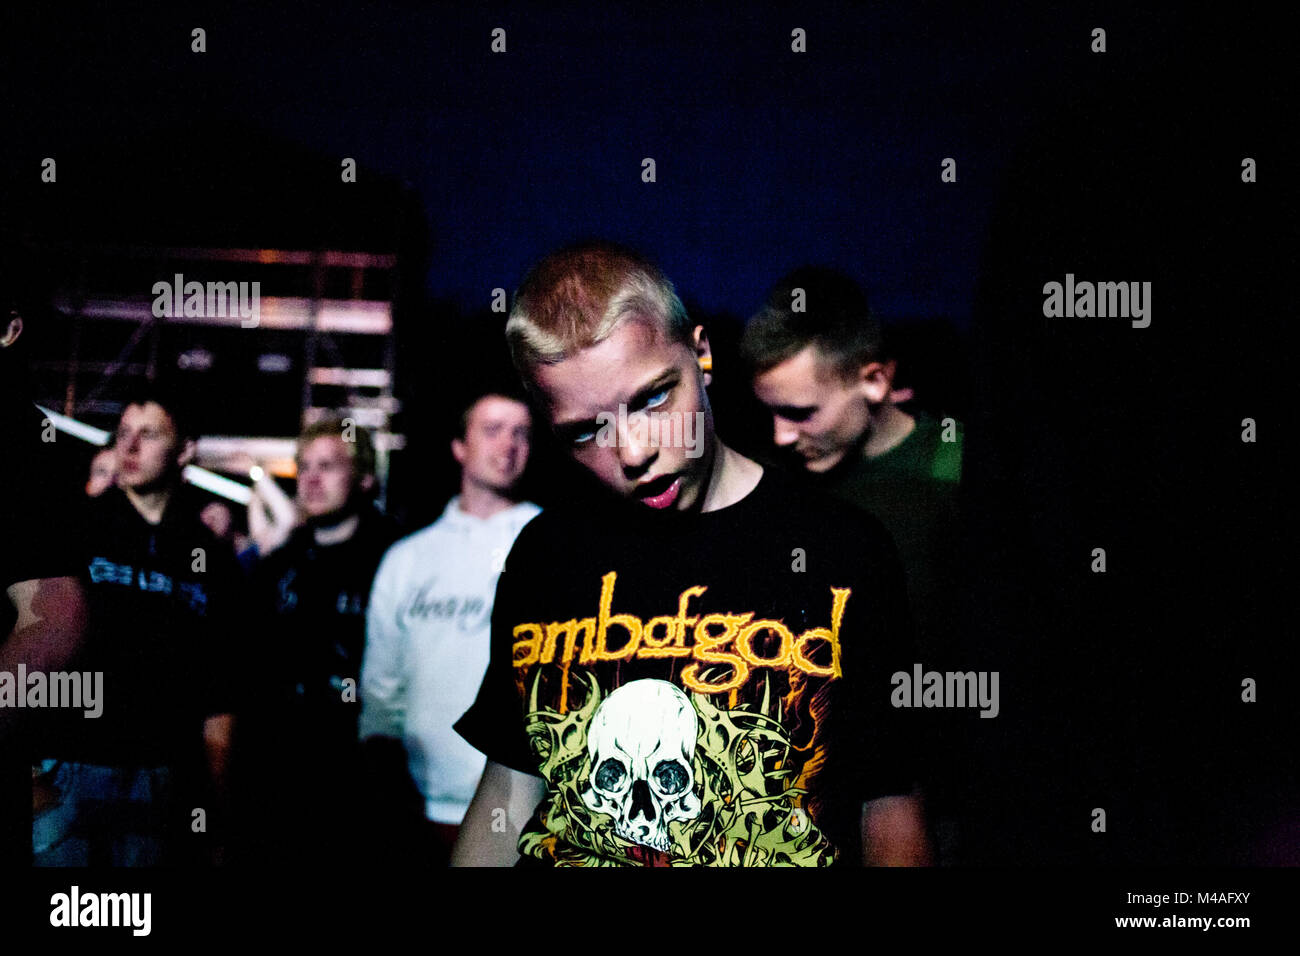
x=494, y=451
x=103, y=469
x=218, y=519
x=326, y=477
x=817, y=416
x=638, y=368
x=148, y=450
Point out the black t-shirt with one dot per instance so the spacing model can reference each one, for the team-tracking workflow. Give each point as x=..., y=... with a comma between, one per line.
x=165, y=632
x=311, y=602
x=699, y=689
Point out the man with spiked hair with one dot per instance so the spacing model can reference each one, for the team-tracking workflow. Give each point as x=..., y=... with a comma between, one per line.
x=690, y=661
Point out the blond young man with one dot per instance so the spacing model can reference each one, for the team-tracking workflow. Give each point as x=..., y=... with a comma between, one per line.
x=300, y=762
x=689, y=662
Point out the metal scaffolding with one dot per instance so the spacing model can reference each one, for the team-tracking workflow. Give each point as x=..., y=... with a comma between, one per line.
x=336, y=305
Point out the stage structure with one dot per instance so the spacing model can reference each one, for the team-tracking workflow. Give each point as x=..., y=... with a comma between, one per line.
x=262, y=341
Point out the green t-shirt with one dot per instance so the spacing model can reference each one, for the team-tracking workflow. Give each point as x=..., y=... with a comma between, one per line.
x=924, y=453
x=913, y=490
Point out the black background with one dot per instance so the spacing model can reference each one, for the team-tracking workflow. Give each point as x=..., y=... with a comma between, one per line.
x=1119, y=690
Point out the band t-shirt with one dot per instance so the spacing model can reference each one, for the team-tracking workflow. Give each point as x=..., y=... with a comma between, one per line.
x=699, y=689
x=311, y=604
x=164, y=631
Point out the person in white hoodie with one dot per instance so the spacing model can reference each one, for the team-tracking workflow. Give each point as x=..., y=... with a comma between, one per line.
x=428, y=621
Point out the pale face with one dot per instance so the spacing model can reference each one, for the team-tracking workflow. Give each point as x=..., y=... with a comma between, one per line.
x=494, y=451
x=326, y=477
x=816, y=415
x=147, y=447
x=637, y=367
x=103, y=472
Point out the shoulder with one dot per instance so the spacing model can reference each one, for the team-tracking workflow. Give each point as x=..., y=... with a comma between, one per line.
x=378, y=532
x=273, y=565
x=183, y=516
x=545, y=525
x=796, y=501
x=795, y=510
x=219, y=557
x=547, y=532
x=946, y=430
x=945, y=462
x=104, y=507
x=416, y=545
x=524, y=512
x=108, y=520
x=420, y=547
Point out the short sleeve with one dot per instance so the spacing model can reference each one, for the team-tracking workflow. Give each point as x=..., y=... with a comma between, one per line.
x=881, y=741
x=494, y=724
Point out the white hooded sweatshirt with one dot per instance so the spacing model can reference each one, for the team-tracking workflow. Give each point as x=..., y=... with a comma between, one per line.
x=428, y=630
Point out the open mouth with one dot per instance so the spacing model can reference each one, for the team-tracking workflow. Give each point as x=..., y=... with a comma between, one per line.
x=659, y=492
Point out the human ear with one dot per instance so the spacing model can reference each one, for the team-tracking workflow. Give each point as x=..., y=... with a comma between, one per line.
x=11, y=333
x=876, y=381
x=703, y=353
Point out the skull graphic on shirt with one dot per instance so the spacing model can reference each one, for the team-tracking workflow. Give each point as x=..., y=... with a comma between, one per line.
x=640, y=746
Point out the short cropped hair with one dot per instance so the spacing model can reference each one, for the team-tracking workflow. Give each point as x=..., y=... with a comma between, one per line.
x=835, y=317
x=578, y=296
x=171, y=401
x=468, y=405
x=361, y=448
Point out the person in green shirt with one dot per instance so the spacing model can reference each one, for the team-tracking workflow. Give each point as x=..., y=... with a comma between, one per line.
x=819, y=366
x=817, y=363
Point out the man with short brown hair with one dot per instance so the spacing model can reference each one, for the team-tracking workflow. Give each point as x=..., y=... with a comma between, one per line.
x=428, y=626
x=300, y=761
x=163, y=622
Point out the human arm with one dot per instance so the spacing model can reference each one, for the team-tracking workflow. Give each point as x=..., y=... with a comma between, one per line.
x=503, y=803
x=218, y=731
x=507, y=796
x=894, y=832
x=230, y=629
x=272, y=515
x=51, y=621
x=383, y=672
x=382, y=724
x=48, y=631
x=893, y=822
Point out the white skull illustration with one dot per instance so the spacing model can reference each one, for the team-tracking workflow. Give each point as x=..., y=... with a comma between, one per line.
x=640, y=744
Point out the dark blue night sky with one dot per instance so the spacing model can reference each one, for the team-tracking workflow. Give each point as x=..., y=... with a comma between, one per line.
x=765, y=158
x=1123, y=687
